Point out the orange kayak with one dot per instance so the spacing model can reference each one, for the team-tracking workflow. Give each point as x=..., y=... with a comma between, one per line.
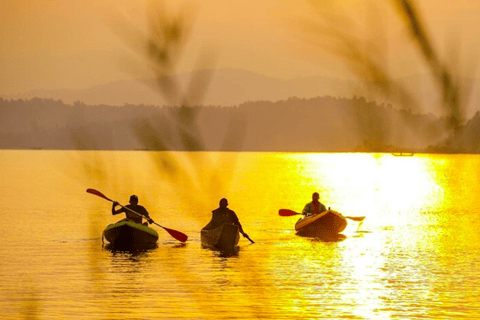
x=325, y=223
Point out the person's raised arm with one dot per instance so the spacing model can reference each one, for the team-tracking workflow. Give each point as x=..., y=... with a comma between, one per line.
x=114, y=204
x=147, y=216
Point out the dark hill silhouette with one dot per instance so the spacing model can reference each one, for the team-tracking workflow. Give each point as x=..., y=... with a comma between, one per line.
x=316, y=124
x=226, y=88
x=234, y=87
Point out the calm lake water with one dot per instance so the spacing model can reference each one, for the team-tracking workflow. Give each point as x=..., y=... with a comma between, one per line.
x=416, y=255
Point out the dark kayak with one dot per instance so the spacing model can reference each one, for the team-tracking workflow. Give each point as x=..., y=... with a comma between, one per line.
x=224, y=237
x=325, y=223
x=126, y=234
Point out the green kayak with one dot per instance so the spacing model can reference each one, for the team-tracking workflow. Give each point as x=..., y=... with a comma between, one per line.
x=126, y=234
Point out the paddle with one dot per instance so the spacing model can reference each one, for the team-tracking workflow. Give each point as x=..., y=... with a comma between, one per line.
x=174, y=233
x=355, y=218
x=287, y=213
x=246, y=236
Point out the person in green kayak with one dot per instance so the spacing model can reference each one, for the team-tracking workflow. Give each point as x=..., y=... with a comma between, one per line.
x=223, y=215
x=133, y=205
x=314, y=207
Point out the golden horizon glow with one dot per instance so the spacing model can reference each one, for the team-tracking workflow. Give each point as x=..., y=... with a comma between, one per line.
x=55, y=44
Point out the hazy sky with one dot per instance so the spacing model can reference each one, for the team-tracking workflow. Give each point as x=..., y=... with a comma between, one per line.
x=71, y=43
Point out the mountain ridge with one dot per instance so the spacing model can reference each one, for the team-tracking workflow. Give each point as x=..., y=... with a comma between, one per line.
x=231, y=87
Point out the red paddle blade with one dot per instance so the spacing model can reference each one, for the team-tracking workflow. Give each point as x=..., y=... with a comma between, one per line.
x=98, y=193
x=286, y=212
x=177, y=234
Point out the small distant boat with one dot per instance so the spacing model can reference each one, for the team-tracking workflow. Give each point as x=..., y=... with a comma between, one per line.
x=326, y=223
x=127, y=235
x=403, y=154
x=223, y=238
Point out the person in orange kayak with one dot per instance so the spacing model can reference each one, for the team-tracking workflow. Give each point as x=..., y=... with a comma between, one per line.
x=314, y=207
x=133, y=205
x=223, y=215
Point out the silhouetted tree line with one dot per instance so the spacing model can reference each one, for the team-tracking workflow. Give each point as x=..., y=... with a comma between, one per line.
x=316, y=124
x=465, y=141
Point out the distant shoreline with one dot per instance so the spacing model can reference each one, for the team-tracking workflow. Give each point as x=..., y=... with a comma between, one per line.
x=321, y=124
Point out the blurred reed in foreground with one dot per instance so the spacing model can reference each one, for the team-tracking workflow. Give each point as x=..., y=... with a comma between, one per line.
x=332, y=30
x=162, y=47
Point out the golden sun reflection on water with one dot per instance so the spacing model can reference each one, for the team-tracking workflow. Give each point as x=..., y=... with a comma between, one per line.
x=416, y=255
x=388, y=189
x=408, y=194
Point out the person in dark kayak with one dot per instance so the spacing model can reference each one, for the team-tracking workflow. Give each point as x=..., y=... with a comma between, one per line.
x=223, y=215
x=133, y=205
x=314, y=207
